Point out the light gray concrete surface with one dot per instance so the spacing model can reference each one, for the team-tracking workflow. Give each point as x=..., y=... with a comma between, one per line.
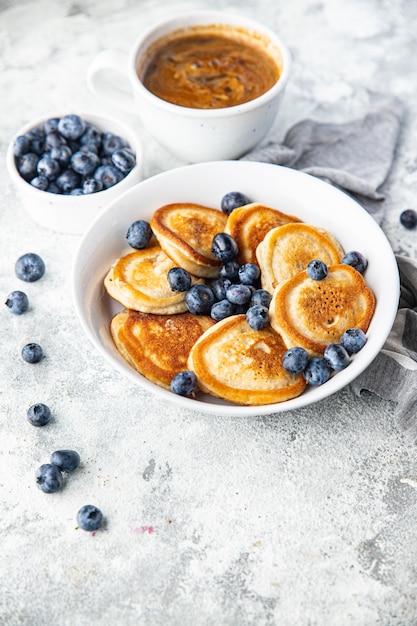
x=305, y=518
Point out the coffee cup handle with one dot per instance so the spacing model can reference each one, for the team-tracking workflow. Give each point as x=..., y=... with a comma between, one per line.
x=100, y=84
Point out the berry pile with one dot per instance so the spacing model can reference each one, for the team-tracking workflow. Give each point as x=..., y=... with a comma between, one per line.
x=69, y=156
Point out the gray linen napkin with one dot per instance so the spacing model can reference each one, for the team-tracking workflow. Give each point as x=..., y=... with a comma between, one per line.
x=357, y=156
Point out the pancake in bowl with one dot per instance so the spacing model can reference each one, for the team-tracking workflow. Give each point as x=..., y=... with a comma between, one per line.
x=139, y=282
x=185, y=232
x=249, y=224
x=236, y=363
x=288, y=249
x=314, y=313
x=157, y=346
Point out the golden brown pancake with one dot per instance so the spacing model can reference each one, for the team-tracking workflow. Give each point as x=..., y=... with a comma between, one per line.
x=157, y=345
x=288, y=249
x=314, y=313
x=185, y=231
x=236, y=363
x=249, y=224
x=139, y=281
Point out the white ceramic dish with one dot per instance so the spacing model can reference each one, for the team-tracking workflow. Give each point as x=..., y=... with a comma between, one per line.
x=290, y=191
x=74, y=214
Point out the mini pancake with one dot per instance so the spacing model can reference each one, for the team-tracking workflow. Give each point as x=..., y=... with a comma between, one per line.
x=314, y=313
x=185, y=232
x=288, y=249
x=249, y=224
x=157, y=346
x=139, y=281
x=236, y=363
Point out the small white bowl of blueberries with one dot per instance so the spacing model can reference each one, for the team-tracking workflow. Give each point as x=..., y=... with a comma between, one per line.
x=68, y=167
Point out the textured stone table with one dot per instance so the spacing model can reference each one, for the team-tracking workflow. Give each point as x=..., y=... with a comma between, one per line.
x=298, y=519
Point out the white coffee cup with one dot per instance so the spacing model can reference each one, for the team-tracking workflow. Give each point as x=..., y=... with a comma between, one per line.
x=192, y=134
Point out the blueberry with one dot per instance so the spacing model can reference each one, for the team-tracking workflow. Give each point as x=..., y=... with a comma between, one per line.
x=139, y=234
x=317, y=270
x=249, y=273
x=123, y=159
x=336, y=356
x=65, y=460
x=40, y=182
x=53, y=188
x=30, y=267
x=294, y=360
x=68, y=180
x=224, y=247
x=39, y=414
x=222, y=309
x=26, y=165
x=317, y=372
x=179, y=279
x=91, y=137
x=257, y=316
x=353, y=339
x=356, y=260
x=84, y=162
x=53, y=139
x=71, y=126
x=262, y=297
x=239, y=294
x=219, y=287
x=48, y=167
x=62, y=154
x=199, y=299
x=21, y=145
x=89, y=518
x=49, y=478
x=108, y=175
x=184, y=383
x=92, y=185
x=32, y=353
x=111, y=143
x=233, y=200
x=229, y=270
x=50, y=124
x=18, y=302
x=78, y=191
x=408, y=218
x=37, y=141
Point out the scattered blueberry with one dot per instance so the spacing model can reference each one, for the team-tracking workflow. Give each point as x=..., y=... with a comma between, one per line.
x=49, y=478
x=262, y=297
x=224, y=247
x=233, y=200
x=30, y=267
x=239, y=294
x=353, y=339
x=294, y=360
x=229, y=270
x=84, y=162
x=39, y=414
x=336, y=356
x=257, y=316
x=18, y=302
x=356, y=260
x=89, y=518
x=184, y=383
x=65, y=460
x=199, y=299
x=139, y=234
x=32, y=353
x=222, y=309
x=71, y=126
x=179, y=279
x=408, y=218
x=317, y=372
x=317, y=270
x=249, y=274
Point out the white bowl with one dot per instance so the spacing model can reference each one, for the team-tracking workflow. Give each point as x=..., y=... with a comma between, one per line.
x=288, y=190
x=74, y=214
